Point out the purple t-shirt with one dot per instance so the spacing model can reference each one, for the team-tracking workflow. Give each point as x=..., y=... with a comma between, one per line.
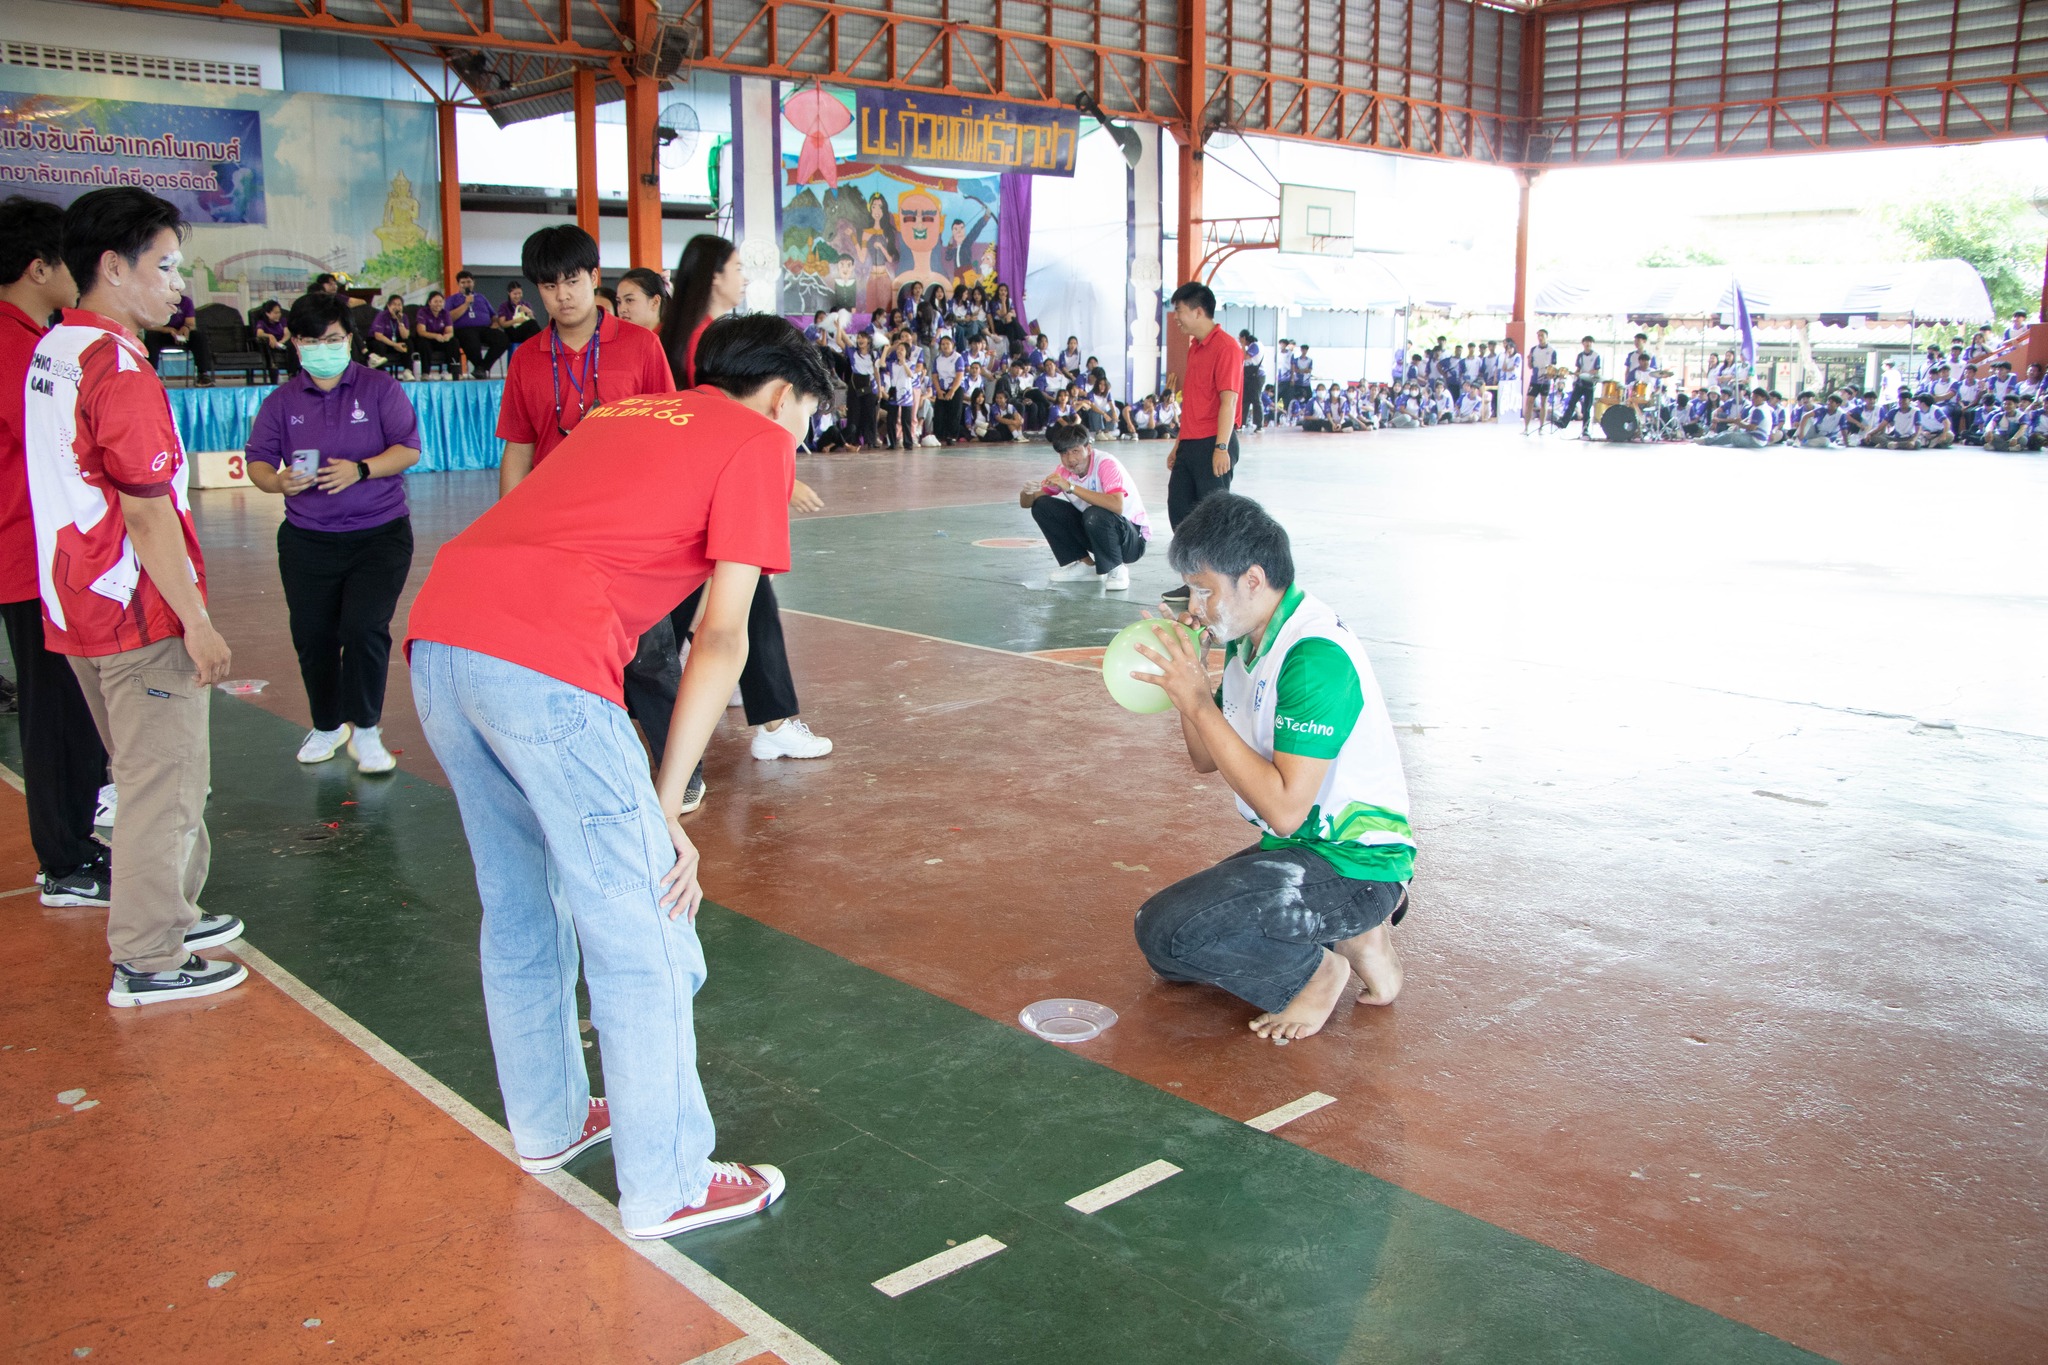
x=273, y=328
x=385, y=325
x=431, y=319
x=480, y=313
x=358, y=419
x=183, y=315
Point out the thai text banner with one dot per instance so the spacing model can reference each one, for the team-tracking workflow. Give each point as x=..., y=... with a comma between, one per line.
x=209, y=162
x=905, y=129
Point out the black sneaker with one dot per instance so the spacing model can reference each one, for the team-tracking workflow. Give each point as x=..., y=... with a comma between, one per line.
x=92, y=884
x=1177, y=598
x=693, y=795
x=196, y=978
x=212, y=931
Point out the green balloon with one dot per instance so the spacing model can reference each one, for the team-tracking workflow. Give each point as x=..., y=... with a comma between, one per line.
x=1122, y=659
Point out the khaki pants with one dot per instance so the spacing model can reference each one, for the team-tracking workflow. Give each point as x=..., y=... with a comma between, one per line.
x=153, y=720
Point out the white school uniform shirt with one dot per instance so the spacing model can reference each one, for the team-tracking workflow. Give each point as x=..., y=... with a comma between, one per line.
x=1587, y=364
x=1541, y=358
x=1931, y=421
x=1906, y=420
x=944, y=367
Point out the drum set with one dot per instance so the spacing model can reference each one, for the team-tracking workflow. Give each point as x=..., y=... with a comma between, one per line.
x=1638, y=412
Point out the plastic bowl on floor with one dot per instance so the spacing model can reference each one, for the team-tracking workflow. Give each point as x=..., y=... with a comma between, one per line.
x=243, y=687
x=1066, y=1021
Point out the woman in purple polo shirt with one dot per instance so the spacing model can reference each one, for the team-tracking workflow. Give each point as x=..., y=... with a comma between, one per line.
x=391, y=340
x=335, y=442
x=274, y=339
x=433, y=336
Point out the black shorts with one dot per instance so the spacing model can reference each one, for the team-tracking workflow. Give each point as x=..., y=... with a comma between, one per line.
x=1538, y=386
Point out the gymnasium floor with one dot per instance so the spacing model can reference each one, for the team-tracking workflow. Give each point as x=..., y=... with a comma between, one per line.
x=1721, y=1039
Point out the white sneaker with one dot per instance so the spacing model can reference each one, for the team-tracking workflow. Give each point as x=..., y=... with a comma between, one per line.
x=1080, y=571
x=1117, y=579
x=109, y=805
x=366, y=747
x=322, y=745
x=791, y=739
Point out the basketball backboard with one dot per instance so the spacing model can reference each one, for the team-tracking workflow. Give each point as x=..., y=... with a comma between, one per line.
x=1317, y=222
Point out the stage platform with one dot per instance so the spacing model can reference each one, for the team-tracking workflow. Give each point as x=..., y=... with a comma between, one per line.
x=458, y=419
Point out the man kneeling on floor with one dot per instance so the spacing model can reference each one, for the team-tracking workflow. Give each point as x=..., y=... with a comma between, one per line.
x=1301, y=734
x=522, y=696
x=1089, y=512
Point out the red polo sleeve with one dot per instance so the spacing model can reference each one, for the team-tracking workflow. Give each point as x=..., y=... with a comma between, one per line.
x=748, y=521
x=130, y=421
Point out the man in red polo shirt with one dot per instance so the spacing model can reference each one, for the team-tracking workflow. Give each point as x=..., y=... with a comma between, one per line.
x=584, y=359
x=124, y=585
x=519, y=643
x=63, y=764
x=1203, y=459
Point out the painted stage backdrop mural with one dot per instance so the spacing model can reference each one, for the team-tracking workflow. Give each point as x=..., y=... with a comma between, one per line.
x=280, y=187
x=856, y=245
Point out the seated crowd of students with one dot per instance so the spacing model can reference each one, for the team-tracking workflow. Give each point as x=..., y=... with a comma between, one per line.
x=956, y=369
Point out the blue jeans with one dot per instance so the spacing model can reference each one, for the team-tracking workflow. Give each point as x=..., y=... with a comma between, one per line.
x=1256, y=923
x=570, y=846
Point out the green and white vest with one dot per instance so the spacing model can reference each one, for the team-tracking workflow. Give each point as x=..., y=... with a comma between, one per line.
x=1310, y=690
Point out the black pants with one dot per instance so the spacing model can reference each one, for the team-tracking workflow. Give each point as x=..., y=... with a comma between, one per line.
x=1582, y=392
x=483, y=346
x=862, y=412
x=63, y=764
x=1249, y=408
x=946, y=424
x=341, y=588
x=895, y=429
x=1037, y=409
x=433, y=353
x=200, y=349
x=1194, y=476
x=524, y=332
x=1073, y=532
x=766, y=687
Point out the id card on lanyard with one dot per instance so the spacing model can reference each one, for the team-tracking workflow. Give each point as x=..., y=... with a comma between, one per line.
x=585, y=384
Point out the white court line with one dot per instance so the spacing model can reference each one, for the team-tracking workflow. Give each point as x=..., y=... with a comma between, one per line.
x=1123, y=1187
x=939, y=1266
x=938, y=639
x=732, y=1353
x=735, y=1307
x=21, y=891
x=1288, y=1113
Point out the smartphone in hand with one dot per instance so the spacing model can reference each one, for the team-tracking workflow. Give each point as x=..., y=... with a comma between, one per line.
x=305, y=463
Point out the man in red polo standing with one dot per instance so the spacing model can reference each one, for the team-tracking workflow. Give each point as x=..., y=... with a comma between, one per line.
x=123, y=584
x=1202, y=460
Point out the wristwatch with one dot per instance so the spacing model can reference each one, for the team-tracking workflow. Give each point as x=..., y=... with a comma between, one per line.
x=363, y=470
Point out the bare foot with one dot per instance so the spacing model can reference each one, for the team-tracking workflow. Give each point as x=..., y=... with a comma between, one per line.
x=1307, y=1012
x=1371, y=955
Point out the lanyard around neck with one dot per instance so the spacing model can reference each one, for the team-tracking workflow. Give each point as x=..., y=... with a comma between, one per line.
x=584, y=384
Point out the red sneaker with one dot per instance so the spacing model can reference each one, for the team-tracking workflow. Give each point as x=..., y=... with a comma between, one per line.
x=597, y=1128
x=735, y=1192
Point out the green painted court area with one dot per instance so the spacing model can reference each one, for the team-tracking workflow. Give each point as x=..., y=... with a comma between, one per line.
x=906, y=1124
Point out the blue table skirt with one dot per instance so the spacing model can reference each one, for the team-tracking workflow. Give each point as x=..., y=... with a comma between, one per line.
x=458, y=420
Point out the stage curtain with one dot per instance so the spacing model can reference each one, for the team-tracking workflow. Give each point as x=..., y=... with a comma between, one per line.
x=458, y=420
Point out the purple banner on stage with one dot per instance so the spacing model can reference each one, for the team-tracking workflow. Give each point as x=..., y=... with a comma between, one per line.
x=915, y=129
x=208, y=161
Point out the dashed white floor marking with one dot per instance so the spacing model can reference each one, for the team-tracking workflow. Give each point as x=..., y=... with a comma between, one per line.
x=767, y=1333
x=1123, y=1187
x=20, y=891
x=938, y=1267
x=1288, y=1113
x=732, y=1353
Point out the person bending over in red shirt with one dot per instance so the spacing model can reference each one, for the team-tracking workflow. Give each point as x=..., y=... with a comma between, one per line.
x=521, y=693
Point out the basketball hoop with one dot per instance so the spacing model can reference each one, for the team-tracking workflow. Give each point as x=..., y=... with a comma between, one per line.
x=1315, y=221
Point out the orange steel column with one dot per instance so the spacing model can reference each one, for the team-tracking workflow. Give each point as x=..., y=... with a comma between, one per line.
x=584, y=92
x=451, y=196
x=1194, y=99
x=1518, y=322
x=643, y=174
